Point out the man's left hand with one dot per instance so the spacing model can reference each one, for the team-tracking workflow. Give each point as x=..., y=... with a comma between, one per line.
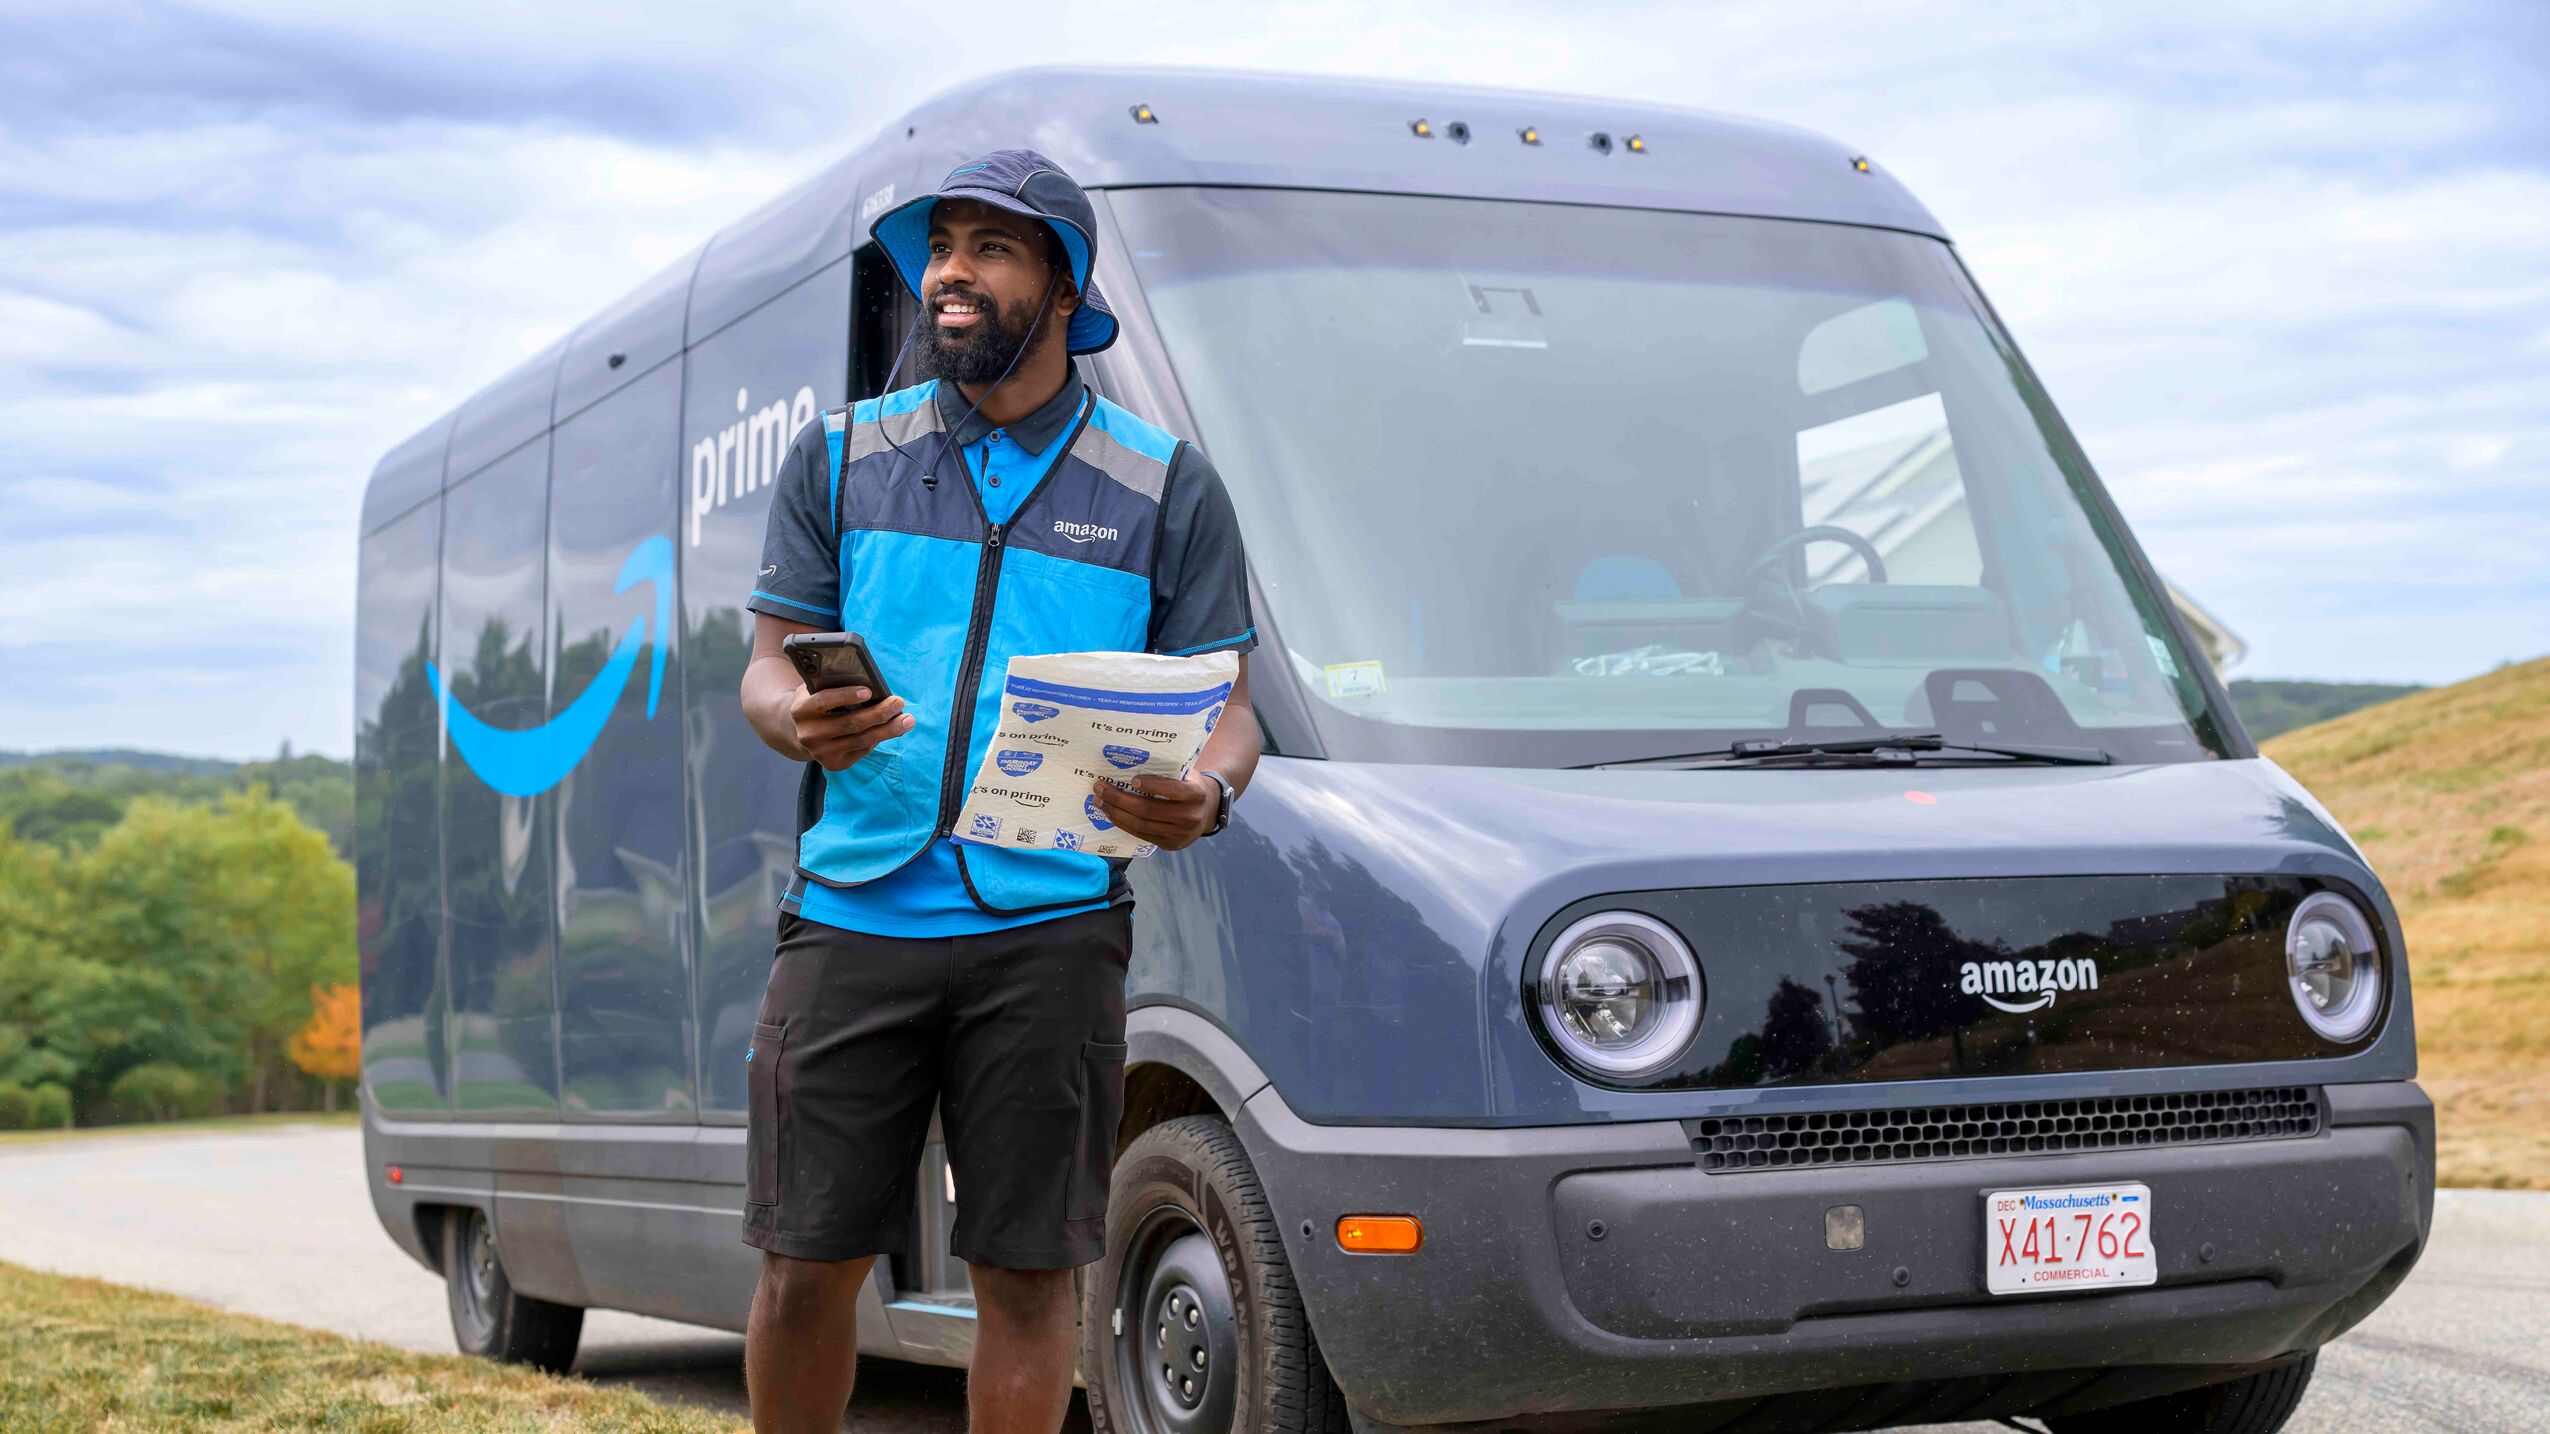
x=1163, y=810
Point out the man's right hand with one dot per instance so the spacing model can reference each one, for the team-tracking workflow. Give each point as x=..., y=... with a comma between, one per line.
x=835, y=738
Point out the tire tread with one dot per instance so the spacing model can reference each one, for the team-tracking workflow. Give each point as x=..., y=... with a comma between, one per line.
x=1301, y=1398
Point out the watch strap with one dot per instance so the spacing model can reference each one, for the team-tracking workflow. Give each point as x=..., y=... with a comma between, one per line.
x=1230, y=794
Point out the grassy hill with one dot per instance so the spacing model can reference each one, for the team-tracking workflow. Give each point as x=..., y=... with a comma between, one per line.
x=2448, y=792
x=2271, y=707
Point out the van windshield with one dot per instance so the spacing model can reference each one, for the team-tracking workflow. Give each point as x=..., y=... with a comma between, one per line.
x=1552, y=485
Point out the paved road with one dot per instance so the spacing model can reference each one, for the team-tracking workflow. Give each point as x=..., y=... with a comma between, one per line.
x=275, y=1222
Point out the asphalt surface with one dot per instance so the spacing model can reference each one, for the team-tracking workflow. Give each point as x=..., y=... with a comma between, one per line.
x=275, y=1222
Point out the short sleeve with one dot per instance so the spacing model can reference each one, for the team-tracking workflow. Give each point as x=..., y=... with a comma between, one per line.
x=1199, y=572
x=800, y=577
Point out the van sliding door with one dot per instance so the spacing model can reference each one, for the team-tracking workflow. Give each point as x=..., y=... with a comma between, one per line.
x=624, y=997
x=496, y=862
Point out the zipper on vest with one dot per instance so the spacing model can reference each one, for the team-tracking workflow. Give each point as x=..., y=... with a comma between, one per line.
x=954, y=775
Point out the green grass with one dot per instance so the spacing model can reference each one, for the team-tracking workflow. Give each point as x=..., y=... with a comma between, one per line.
x=83, y=1354
x=179, y=1127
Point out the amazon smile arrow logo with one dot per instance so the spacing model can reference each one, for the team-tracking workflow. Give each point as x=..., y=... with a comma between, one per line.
x=527, y=763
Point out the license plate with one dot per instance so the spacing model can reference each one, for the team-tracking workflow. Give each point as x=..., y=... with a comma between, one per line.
x=2072, y=1237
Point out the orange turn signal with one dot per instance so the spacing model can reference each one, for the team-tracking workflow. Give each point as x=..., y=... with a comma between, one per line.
x=1379, y=1234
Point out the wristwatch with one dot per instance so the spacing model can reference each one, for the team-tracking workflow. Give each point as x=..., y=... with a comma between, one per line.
x=1222, y=818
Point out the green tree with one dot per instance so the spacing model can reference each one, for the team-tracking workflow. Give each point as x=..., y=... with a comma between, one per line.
x=34, y=915
x=188, y=936
x=49, y=1108
x=41, y=807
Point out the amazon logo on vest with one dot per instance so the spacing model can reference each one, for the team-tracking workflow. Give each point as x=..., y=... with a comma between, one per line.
x=744, y=455
x=527, y=763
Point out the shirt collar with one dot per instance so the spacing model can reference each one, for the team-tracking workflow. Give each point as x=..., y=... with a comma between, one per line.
x=1033, y=433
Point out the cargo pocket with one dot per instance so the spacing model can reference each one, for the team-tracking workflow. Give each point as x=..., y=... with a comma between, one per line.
x=1101, y=1109
x=761, y=1127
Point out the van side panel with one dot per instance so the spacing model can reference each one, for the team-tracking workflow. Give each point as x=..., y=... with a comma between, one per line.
x=807, y=228
x=791, y=355
x=397, y=841
x=624, y=980
x=496, y=867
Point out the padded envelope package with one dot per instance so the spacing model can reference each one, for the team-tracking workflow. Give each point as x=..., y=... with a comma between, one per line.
x=1070, y=720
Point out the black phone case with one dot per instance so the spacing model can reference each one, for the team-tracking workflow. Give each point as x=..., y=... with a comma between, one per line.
x=827, y=665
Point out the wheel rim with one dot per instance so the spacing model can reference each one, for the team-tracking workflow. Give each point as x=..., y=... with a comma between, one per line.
x=1178, y=1357
x=480, y=1281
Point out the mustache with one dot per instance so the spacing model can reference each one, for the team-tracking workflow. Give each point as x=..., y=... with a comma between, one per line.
x=984, y=302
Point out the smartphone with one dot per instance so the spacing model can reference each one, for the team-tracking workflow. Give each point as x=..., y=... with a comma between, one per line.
x=836, y=659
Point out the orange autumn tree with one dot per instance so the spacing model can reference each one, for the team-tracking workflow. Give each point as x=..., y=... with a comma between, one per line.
x=330, y=1045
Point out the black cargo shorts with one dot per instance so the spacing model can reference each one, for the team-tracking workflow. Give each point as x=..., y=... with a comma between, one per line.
x=1016, y=1037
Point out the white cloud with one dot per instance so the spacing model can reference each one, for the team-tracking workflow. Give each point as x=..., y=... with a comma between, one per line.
x=2281, y=273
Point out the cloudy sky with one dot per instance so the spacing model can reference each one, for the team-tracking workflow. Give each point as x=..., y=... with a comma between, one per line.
x=2285, y=265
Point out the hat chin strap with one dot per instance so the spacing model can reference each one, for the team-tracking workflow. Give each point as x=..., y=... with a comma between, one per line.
x=929, y=470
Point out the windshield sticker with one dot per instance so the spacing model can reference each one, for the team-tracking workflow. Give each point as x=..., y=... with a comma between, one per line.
x=1652, y=660
x=1505, y=316
x=1356, y=679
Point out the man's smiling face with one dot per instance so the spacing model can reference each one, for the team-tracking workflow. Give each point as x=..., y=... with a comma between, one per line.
x=989, y=272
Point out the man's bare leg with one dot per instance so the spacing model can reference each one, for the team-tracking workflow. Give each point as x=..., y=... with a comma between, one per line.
x=801, y=1346
x=1026, y=1337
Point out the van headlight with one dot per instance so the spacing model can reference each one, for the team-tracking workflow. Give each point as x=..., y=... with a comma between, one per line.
x=2335, y=969
x=1620, y=994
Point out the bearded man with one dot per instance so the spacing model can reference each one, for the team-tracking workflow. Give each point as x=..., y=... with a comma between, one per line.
x=1000, y=509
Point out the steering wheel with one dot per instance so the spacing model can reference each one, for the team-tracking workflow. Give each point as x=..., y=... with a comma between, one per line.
x=1769, y=569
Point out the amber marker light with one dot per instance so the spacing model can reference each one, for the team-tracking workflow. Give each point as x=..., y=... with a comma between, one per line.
x=1635, y=144
x=1379, y=1234
x=1860, y=163
x=1142, y=115
x=1420, y=129
x=1528, y=135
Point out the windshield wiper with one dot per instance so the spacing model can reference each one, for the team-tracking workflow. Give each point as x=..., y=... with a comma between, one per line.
x=1904, y=748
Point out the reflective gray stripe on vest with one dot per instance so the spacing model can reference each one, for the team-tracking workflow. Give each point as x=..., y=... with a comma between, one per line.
x=902, y=428
x=1144, y=475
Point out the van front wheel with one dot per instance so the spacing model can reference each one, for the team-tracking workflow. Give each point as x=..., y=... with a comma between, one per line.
x=1191, y=1323
x=489, y=1320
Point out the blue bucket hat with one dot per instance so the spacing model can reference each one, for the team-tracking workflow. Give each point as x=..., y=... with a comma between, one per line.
x=1022, y=182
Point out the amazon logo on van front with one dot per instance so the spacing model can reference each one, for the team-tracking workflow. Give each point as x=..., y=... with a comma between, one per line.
x=2033, y=984
x=744, y=455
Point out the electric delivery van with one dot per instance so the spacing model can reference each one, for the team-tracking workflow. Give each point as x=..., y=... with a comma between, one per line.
x=1757, y=912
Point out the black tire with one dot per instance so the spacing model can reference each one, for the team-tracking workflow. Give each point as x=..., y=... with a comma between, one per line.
x=2257, y=1403
x=1185, y=1207
x=489, y=1320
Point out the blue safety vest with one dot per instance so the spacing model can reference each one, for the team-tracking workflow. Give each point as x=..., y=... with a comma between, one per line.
x=945, y=597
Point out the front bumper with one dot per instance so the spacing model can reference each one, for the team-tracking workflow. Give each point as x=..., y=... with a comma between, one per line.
x=1706, y=1288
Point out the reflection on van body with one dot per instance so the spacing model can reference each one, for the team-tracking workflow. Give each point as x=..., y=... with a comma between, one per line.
x=1738, y=799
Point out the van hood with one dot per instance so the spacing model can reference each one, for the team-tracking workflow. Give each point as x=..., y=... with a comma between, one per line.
x=1391, y=910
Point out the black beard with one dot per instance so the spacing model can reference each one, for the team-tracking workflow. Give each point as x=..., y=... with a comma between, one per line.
x=980, y=352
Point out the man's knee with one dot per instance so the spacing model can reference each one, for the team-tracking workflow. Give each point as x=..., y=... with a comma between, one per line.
x=802, y=1289
x=1025, y=1297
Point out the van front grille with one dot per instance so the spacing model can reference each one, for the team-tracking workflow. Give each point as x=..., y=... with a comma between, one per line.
x=1727, y=1144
